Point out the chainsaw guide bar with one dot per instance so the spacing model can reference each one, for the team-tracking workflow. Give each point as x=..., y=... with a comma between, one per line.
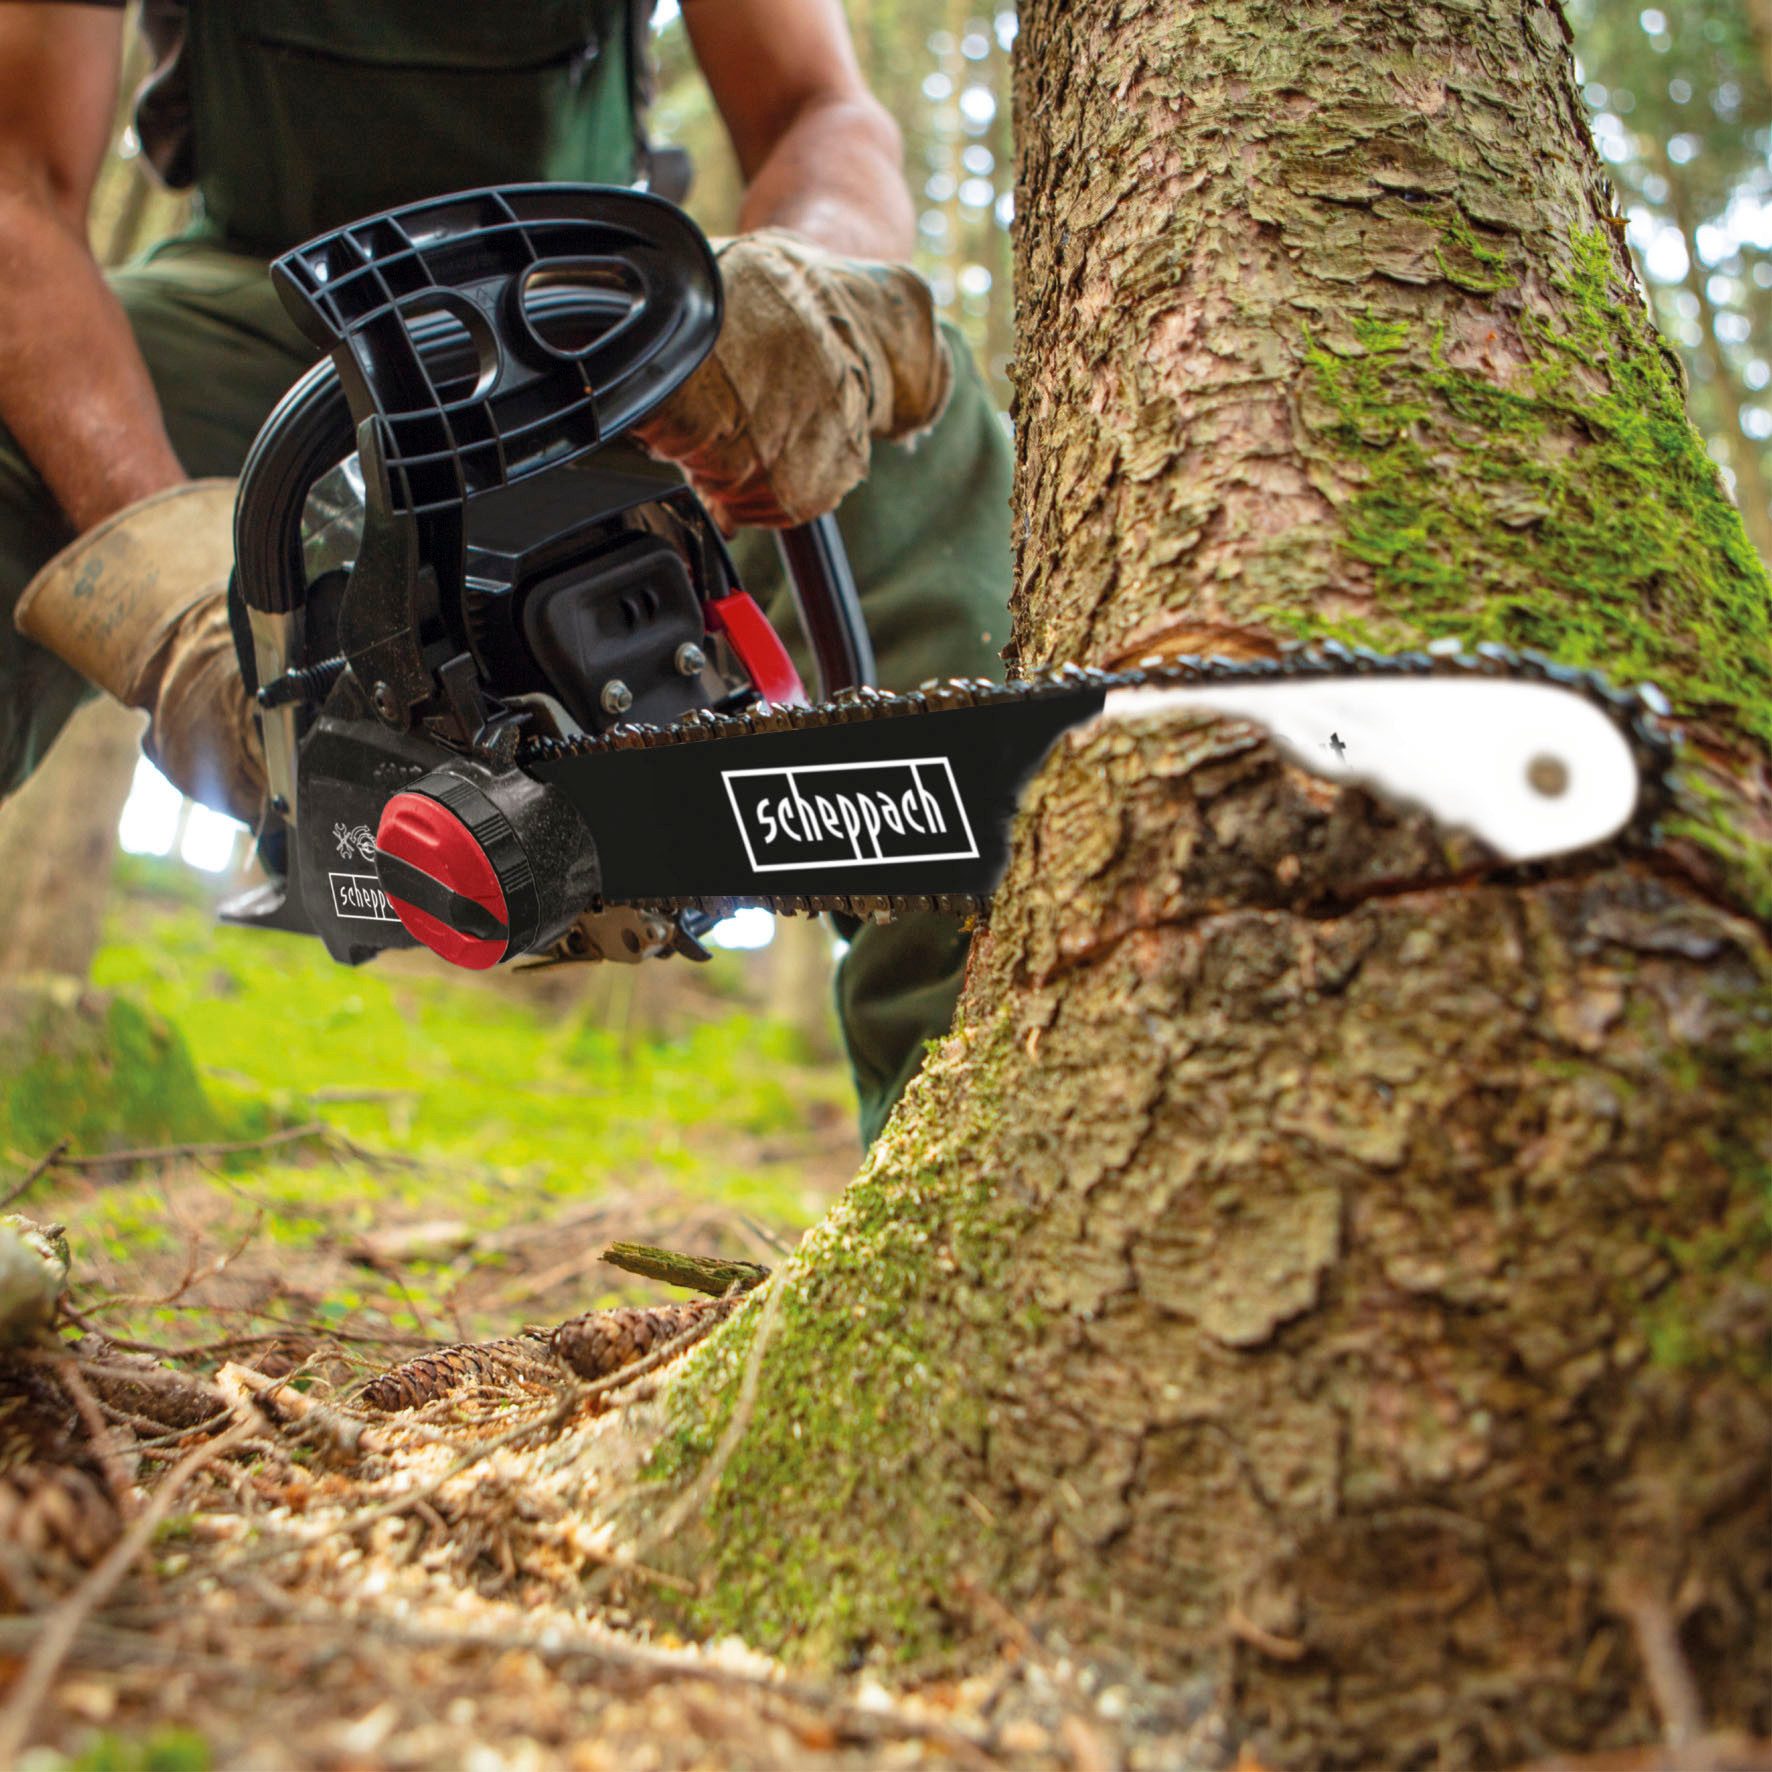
x=877, y=804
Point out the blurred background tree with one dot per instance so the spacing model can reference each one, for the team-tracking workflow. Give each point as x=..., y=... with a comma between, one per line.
x=1680, y=95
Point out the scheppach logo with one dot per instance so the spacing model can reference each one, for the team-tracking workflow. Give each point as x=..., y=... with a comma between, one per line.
x=832, y=813
x=361, y=896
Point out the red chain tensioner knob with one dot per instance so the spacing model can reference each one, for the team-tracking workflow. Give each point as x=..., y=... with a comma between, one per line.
x=453, y=853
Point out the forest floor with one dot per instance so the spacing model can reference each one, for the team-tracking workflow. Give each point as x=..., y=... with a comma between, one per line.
x=347, y=1170
x=280, y=1179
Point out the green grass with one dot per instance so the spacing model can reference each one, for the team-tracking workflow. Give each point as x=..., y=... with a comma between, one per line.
x=166, y=1750
x=500, y=1107
x=454, y=1068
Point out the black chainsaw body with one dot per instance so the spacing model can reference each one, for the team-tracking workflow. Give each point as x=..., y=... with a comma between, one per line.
x=519, y=570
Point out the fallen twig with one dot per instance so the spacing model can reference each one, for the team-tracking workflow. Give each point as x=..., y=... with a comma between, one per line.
x=309, y=1132
x=192, y=1276
x=1664, y=1665
x=290, y=1330
x=62, y=1626
x=171, y=1153
x=701, y=1273
x=552, y=1420
x=36, y=1172
x=272, y=1398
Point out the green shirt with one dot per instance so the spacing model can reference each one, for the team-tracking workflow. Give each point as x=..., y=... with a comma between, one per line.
x=293, y=117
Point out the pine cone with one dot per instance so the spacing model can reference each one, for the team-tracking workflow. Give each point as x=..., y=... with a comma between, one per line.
x=55, y=1514
x=159, y=1394
x=601, y=1342
x=38, y=1421
x=435, y=1375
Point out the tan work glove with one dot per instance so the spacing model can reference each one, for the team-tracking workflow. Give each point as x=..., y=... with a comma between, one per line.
x=818, y=355
x=139, y=606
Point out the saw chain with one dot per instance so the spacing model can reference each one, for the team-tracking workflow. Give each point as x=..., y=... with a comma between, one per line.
x=606, y=773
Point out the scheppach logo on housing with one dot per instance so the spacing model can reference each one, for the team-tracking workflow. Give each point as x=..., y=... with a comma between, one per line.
x=361, y=897
x=836, y=813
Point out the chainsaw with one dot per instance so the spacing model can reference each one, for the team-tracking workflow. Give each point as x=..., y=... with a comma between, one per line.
x=515, y=701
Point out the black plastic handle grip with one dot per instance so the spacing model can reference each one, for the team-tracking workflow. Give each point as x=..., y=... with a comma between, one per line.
x=825, y=599
x=534, y=403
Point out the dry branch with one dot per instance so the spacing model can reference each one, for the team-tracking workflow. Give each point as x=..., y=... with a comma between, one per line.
x=276, y=1403
x=171, y=1153
x=1664, y=1663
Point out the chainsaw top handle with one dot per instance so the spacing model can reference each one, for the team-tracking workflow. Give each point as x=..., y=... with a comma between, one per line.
x=481, y=339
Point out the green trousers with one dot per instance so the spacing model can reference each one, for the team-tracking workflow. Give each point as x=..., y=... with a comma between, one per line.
x=927, y=535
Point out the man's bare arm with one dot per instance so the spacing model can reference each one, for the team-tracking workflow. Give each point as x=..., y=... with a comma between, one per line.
x=74, y=391
x=819, y=153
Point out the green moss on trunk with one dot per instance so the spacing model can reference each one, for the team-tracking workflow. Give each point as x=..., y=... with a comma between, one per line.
x=96, y=1069
x=858, y=1373
x=1476, y=518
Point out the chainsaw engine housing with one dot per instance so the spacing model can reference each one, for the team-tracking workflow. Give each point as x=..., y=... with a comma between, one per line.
x=445, y=546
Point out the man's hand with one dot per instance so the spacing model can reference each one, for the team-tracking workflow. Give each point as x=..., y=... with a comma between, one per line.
x=818, y=355
x=138, y=605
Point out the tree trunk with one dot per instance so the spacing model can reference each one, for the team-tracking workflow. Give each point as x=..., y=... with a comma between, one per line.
x=799, y=988
x=58, y=837
x=1339, y=1288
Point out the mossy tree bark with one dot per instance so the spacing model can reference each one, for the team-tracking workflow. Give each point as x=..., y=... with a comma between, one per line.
x=1336, y=1284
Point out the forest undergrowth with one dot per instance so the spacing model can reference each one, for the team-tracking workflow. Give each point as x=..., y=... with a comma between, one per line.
x=258, y=1508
